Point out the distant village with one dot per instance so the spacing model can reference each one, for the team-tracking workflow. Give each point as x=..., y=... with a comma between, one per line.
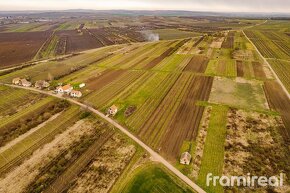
x=42, y=84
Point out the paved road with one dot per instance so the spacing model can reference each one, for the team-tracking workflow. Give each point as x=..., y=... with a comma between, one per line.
x=154, y=154
x=265, y=60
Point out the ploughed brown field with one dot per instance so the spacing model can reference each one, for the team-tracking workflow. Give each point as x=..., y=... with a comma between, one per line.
x=258, y=70
x=243, y=69
x=20, y=47
x=279, y=101
x=197, y=64
x=96, y=83
x=74, y=41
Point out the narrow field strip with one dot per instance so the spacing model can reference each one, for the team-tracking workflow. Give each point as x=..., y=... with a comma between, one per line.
x=213, y=154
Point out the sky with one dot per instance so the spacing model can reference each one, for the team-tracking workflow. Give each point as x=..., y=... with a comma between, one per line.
x=191, y=5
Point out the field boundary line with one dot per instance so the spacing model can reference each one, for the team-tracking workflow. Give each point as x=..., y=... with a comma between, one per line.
x=272, y=70
x=154, y=154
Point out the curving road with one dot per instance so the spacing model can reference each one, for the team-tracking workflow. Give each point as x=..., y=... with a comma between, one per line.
x=154, y=154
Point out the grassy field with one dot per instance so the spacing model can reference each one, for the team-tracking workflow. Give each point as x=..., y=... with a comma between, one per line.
x=240, y=94
x=152, y=178
x=213, y=154
x=282, y=69
x=170, y=34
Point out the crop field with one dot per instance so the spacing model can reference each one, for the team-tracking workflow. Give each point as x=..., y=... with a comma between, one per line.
x=213, y=154
x=11, y=100
x=170, y=34
x=58, y=69
x=229, y=41
x=282, y=69
x=12, y=46
x=269, y=48
x=250, y=70
x=279, y=102
x=19, y=151
x=101, y=97
x=222, y=68
x=238, y=93
x=197, y=64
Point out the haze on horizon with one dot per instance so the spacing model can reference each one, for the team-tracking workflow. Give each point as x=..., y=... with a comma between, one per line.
x=190, y=5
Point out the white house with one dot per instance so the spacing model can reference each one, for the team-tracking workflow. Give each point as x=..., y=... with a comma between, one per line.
x=75, y=93
x=82, y=85
x=64, y=89
x=185, y=158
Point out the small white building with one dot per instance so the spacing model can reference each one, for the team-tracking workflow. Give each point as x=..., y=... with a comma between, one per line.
x=185, y=158
x=25, y=83
x=82, y=85
x=113, y=110
x=64, y=89
x=75, y=93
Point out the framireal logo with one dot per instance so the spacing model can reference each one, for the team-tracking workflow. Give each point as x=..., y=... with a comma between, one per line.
x=244, y=181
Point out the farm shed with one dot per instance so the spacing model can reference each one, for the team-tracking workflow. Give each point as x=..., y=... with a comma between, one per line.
x=82, y=85
x=75, y=93
x=185, y=158
x=113, y=110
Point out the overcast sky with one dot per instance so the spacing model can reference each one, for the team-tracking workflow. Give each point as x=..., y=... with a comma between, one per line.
x=193, y=5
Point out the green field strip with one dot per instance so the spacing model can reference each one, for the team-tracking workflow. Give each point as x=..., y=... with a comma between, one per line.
x=213, y=154
x=15, y=154
x=50, y=50
x=148, y=97
x=174, y=62
x=25, y=112
x=282, y=69
x=227, y=68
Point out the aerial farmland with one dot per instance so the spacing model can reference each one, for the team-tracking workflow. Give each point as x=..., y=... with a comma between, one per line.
x=112, y=103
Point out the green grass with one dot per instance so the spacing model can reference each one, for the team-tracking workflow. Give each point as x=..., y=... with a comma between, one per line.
x=153, y=179
x=50, y=50
x=246, y=95
x=170, y=34
x=226, y=68
x=213, y=154
x=282, y=69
